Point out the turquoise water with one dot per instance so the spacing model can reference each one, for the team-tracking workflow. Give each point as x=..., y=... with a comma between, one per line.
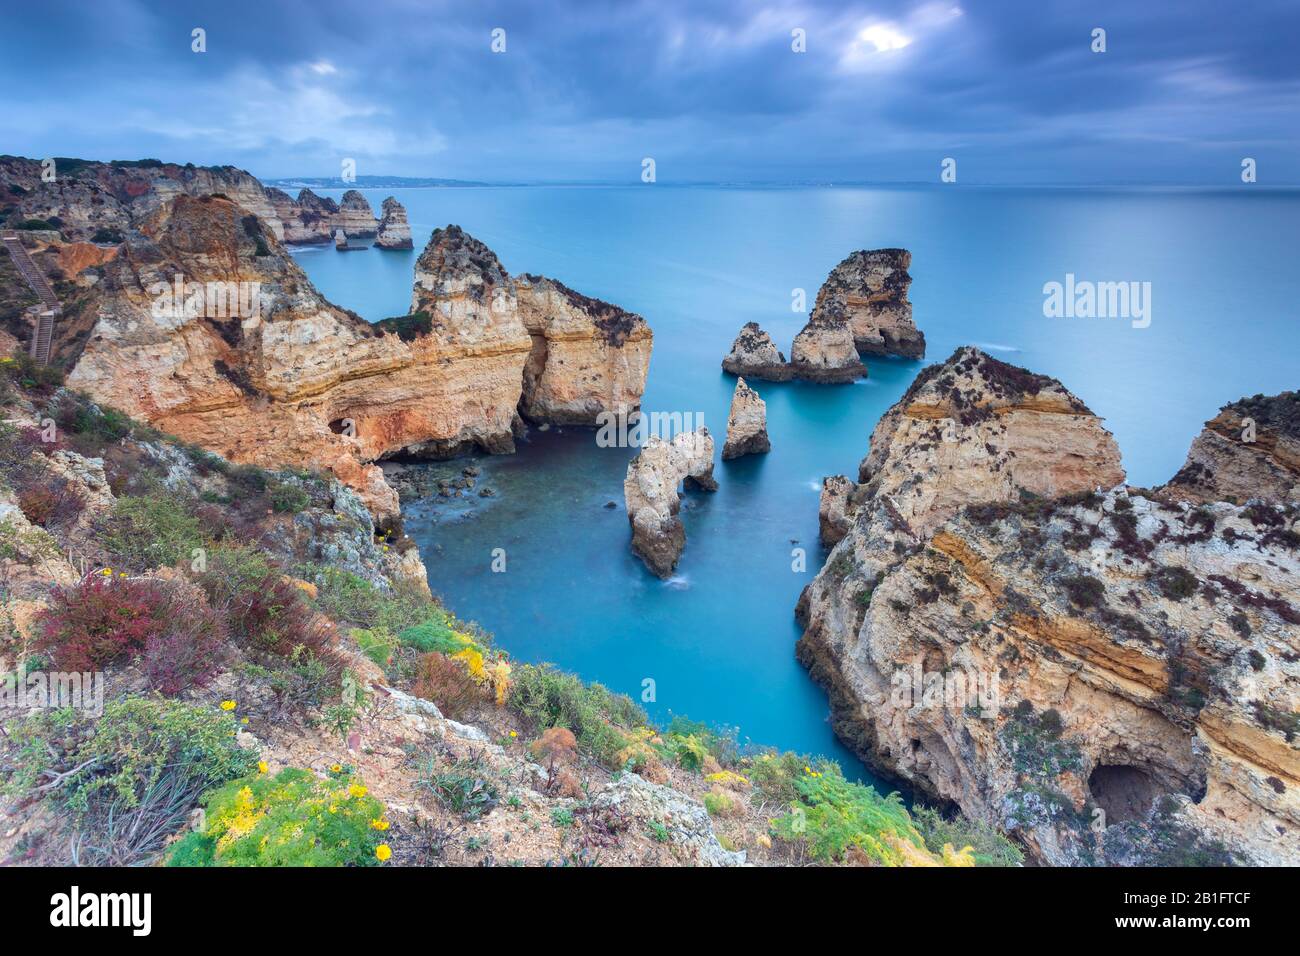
x=698, y=263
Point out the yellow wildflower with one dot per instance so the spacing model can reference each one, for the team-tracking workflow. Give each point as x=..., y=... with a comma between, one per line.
x=383, y=852
x=514, y=733
x=379, y=824
x=336, y=768
x=228, y=705
x=261, y=766
x=357, y=790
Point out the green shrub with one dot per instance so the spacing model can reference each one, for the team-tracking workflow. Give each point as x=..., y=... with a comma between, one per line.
x=832, y=815
x=151, y=531
x=291, y=819
x=350, y=599
x=991, y=847
x=547, y=697
x=129, y=779
x=287, y=498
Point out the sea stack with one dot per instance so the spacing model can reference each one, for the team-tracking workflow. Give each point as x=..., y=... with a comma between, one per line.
x=340, y=240
x=868, y=290
x=394, y=230
x=651, y=496
x=588, y=357
x=307, y=219
x=824, y=351
x=755, y=355
x=746, y=425
x=355, y=217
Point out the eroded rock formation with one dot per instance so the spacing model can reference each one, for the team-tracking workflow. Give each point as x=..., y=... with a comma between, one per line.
x=746, y=424
x=355, y=217
x=650, y=492
x=587, y=356
x=394, y=230
x=1104, y=676
x=308, y=220
x=823, y=351
x=1251, y=449
x=835, y=509
x=755, y=355
x=265, y=370
x=868, y=290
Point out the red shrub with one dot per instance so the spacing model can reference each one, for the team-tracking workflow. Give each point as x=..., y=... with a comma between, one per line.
x=269, y=615
x=104, y=619
x=445, y=682
x=50, y=502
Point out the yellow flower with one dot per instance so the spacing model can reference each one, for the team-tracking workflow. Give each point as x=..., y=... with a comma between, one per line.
x=379, y=824
x=261, y=766
x=228, y=705
x=336, y=768
x=334, y=809
x=357, y=790
x=383, y=852
x=107, y=572
x=513, y=734
x=243, y=720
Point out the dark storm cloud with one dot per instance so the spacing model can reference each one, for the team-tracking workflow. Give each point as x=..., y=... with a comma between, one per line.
x=710, y=89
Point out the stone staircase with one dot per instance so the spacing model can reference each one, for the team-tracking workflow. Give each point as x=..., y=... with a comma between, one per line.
x=50, y=305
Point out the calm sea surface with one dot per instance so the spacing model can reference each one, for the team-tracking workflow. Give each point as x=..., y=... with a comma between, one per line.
x=718, y=639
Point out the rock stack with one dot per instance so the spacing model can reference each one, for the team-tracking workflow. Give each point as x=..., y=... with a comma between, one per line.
x=651, y=496
x=868, y=290
x=823, y=352
x=355, y=217
x=754, y=354
x=394, y=230
x=746, y=425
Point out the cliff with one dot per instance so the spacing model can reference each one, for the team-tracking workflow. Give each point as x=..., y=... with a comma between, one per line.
x=308, y=220
x=586, y=357
x=1106, y=677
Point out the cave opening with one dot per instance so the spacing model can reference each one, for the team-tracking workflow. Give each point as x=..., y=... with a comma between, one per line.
x=1124, y=792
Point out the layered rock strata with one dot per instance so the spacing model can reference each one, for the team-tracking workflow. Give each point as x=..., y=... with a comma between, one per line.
x=1108, y=678
x=355, y=217
x=308, y=220
x=746, y=424
x=1251, y=449
x=251, y=361
x=755, y=355
x=835, y=509
x=868, y=291
x=650, y=492
x=394, y=230
x=586, y=356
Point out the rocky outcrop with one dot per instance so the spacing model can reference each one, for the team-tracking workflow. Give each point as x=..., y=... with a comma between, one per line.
x=835, y=509
x=1251, y=449
x=355, y=217
x=868, y=291
x=650, y=492
x=755, y=355
x=308, y=220
x=746, y=424
x=1109, y=678
x=475, y=338
x=341, y=240
x=394, y=230
x=586, y=357
x=823, y=352
x=92, y=201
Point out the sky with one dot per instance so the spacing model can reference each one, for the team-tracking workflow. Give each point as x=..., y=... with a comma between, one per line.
x=711, y=90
